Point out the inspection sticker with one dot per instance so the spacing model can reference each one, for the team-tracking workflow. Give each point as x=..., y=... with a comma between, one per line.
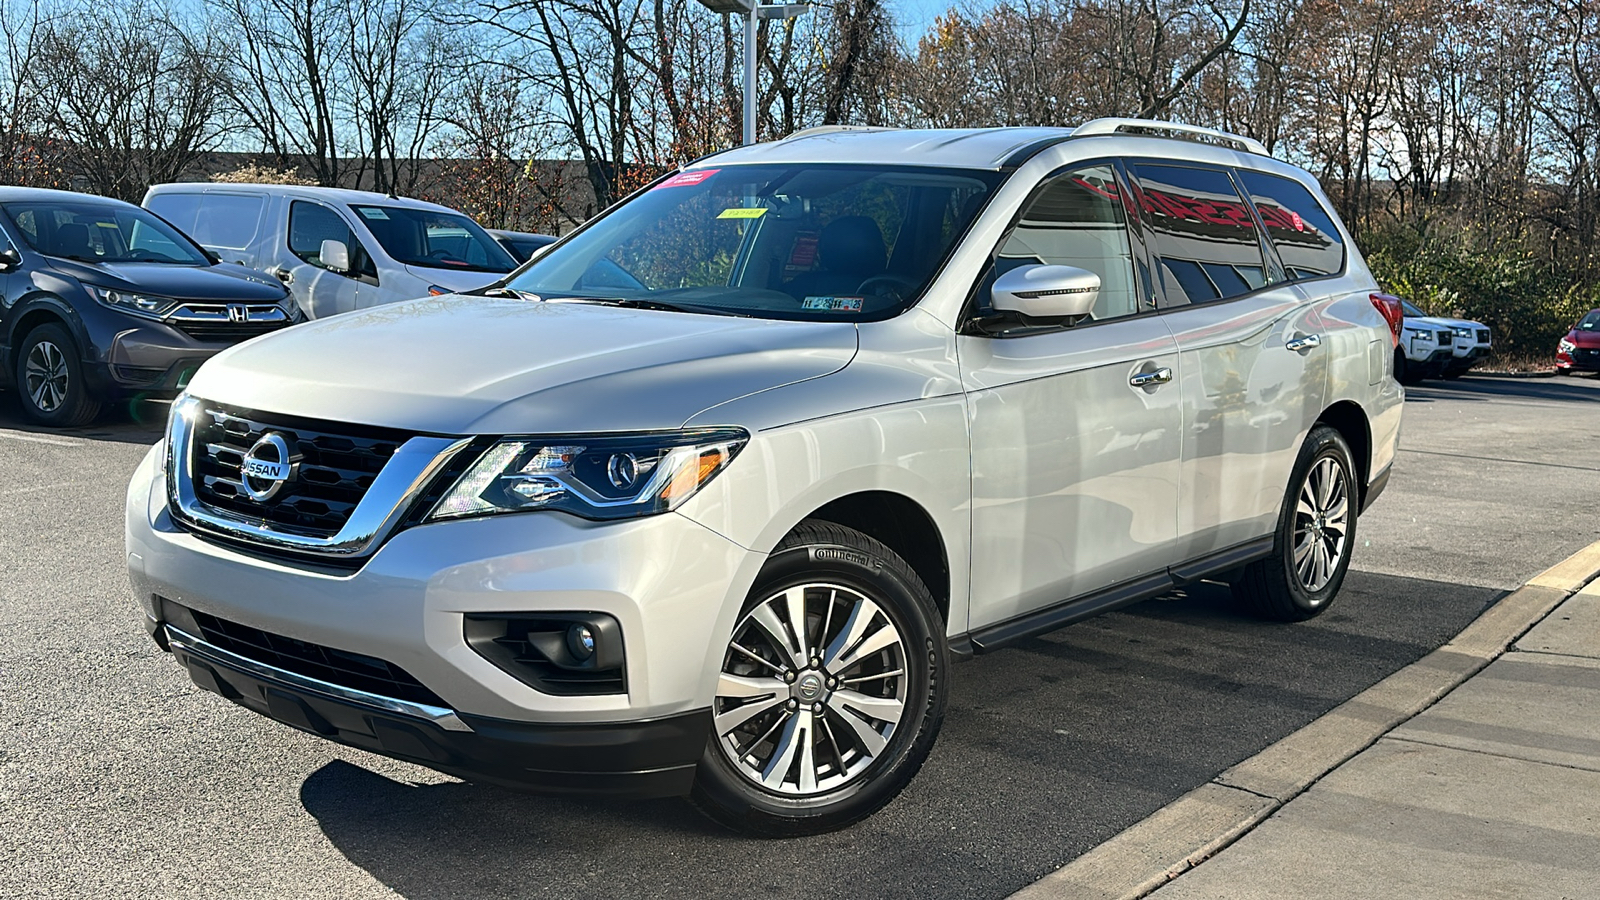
x=740, y=212
x=685, y=179
x=832, y=304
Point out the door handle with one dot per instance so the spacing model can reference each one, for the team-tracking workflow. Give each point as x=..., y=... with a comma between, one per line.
x=1304, y=343
x=1153, y=378
x=282, y=274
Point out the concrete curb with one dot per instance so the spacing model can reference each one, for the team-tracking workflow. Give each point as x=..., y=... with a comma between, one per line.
x=1541, y=373
x=1201, y=823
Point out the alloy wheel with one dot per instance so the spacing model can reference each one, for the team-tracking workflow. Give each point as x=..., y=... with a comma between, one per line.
x=1322, y=517
x=44, y=375
x=813, y=688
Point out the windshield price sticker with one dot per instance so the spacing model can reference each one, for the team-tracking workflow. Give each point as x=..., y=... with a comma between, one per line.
x=743, y=213
x=372, y=212
x=832, y=304
x=686, y=179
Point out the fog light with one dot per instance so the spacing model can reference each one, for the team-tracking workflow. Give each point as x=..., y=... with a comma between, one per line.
x=580, y=641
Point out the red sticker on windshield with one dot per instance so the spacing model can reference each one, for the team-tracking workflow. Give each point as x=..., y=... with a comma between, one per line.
x=685, y=179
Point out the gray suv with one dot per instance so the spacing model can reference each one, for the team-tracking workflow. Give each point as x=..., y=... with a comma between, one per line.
x=706, y=498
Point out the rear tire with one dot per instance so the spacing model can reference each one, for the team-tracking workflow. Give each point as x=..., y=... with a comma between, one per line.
x=50, y=381
x=1316, y=534
x=816, y=732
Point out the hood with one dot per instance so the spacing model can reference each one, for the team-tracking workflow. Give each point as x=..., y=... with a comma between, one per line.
x=219, y=283
x=486, y=365
x=1589, y=340
x=1457, y=323
x=455, y=279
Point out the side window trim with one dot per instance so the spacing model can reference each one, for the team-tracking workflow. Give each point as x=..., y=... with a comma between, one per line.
x=969, y=313
x=1276, y=272
x=1156, y=260
x=1344, y=239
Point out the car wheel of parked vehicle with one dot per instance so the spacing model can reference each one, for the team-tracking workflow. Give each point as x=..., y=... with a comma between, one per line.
x=1316, y=532
x=50, y=379
x=832, y=690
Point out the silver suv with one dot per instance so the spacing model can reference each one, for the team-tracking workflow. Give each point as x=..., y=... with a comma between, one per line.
x=705, y=499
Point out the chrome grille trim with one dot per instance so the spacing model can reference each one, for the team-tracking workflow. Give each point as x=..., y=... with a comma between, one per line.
x=380, y=509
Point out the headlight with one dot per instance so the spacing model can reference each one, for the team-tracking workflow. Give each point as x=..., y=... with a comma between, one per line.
x=1566, y=346
x=138, y=304
x=1464, y=332
x=614, y=476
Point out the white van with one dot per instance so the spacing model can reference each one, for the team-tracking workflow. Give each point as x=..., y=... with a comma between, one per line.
x=336, y=250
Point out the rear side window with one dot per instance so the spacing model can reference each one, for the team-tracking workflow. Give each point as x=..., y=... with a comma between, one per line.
x=1077, y=220
x=227, y=220
x=1302, y=231
x=179, y=209
x=1207, y=241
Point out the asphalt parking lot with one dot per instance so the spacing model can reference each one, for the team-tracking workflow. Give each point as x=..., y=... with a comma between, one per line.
x=120, y=778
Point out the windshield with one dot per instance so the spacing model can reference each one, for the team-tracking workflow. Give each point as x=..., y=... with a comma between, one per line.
x=1590, y=322
x=437, y=240
x=1411, y=311
x=839, y=242
x=101, y=232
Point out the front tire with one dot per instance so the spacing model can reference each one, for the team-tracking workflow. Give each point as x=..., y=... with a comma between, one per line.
x=1316, y=534
x=832, y=691
x=1405, y=371
x=50, y=380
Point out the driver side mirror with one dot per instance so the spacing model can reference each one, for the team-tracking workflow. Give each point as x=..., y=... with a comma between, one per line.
x=1046, y=292
x=335, y=255
x=9, y=259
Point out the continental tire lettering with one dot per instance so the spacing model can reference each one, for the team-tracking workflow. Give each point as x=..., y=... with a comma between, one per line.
x=834, y=554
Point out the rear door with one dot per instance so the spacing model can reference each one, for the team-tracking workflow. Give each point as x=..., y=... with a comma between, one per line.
x=1254, y=372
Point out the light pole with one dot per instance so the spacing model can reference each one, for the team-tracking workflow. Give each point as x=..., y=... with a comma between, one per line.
x=753, y=10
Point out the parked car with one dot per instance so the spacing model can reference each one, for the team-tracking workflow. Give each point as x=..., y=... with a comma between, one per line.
x=722, y=532
x=337, y=250
x=1427, y=346
x=1579, y=351
x=101, y=301
x=521, y=244
x=1470, y=345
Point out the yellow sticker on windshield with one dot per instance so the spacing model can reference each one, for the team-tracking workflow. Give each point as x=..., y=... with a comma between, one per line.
x=743, y=213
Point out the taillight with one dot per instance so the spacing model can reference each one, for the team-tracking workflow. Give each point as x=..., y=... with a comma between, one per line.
x=1392, y=313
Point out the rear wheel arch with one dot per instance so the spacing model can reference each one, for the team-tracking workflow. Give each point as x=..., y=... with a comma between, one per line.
x=1348, y=418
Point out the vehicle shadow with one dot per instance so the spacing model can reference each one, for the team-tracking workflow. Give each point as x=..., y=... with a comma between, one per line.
x=1048, y=749
x=1579, y=389
x=130, y=422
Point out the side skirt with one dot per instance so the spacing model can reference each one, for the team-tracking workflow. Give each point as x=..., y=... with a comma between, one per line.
x=1002, y=634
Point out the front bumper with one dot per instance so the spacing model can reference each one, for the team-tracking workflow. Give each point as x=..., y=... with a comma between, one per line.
x=1583, y=359
x=672, y=585
x=654, y=758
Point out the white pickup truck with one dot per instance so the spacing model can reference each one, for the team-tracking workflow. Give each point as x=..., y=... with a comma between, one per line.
x=336, y=250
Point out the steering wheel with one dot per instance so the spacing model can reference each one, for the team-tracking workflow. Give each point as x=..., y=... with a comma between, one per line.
x=894, y=286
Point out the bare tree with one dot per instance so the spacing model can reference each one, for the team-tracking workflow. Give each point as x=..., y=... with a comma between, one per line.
x=132, y=95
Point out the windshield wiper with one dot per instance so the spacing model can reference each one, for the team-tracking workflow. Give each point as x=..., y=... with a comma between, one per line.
x=639, y=303
x=513, y=293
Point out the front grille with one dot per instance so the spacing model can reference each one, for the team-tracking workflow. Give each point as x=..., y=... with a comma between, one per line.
x=226, y=332
x=334, y=465
x=340, y=667
x=1447, y=337
x=1483, y=335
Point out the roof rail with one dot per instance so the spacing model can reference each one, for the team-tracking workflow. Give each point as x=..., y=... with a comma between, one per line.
x=832, y=129
x=1175, y=130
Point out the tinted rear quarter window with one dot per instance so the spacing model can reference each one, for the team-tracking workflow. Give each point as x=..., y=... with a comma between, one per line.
x=1303, y=233
x=1208, y=243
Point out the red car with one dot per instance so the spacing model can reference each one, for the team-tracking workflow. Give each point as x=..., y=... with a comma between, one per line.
x=1579, y=351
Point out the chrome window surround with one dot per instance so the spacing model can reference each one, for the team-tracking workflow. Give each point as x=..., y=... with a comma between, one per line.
x=218, y=313
x=188, y=644
x=404, y=477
